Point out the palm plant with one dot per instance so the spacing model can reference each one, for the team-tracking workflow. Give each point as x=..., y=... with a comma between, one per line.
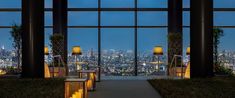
x=217, y=34
x=218, y=66
x=16, y=34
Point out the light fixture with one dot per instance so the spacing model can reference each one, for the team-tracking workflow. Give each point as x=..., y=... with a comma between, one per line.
x=91, y=78
x=46, y=50
x=2, y=72
x=75, y=88
x=76, y=50
x=188, y=51
x=187, y=71
x=46, y=68
x=158, y=50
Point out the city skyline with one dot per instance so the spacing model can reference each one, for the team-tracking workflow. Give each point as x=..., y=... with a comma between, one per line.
x=121, y=38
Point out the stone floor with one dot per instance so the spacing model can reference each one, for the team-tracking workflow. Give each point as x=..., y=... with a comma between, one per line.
x=134, y=77
x=124, y=89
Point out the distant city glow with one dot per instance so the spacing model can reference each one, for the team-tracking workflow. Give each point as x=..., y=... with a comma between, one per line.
x=117, y=44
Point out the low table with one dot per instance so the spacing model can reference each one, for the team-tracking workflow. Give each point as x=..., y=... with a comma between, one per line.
x=75, y=88
x=91, y=77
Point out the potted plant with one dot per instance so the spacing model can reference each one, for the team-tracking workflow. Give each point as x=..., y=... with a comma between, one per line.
x=219, y=68
x=57, y=44
x=217, y=34
x=175, y=48
x=16, y=34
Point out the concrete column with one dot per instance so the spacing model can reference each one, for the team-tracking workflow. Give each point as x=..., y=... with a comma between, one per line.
x=33, y=38
x=175, y=38
x=60, y=24
x=201, y=38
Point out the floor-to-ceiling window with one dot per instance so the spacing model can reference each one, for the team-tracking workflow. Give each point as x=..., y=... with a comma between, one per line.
x=127, y=31
x=148, y=38
x=117, y=54
x=153, y=33
x=117, y=38
x=48, y=30
x=10, y=15
x=186, y=30
x=224, y=19
x=86, y=38
x=123, y=31
x=83, y=32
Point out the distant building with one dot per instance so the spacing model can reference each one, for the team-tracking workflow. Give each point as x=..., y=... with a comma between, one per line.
x=7, y=57
x=227, y=58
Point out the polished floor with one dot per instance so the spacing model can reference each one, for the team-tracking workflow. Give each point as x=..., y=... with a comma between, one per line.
x=124, y=89
x=134, y=77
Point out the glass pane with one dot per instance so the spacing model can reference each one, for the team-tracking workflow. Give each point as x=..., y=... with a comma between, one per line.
x=186, y=18
x=6, y=39
x=227, y=49
x=83, y=18
x=227, y=41
x=87, y=39
x=48, y=19
x=48, y=3
x=152, y=3
x=152, y=18
x=47, y=43
x=147, y=40
x=10, y=3
x=9, y=18
x=186, y=3
x=117, y=52
x=117, y=4
x=117, y=18
x=83, y=3
x=224, y=3
x=224, y=18
x=8, y=55
x=47, y=33
x=186, y=42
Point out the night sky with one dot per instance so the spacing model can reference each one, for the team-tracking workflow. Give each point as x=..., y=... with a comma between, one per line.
x=120, y=39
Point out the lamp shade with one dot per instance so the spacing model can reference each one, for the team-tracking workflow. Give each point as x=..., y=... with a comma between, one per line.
x=158, y=50
x=188, y=51
x=46, y=50
x=76, y=50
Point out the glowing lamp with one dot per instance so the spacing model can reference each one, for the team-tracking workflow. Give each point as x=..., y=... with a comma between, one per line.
x=91, y=78
x=76, y=88
x=46, y=71
x=2, y=72
x=187, y=72
x=76, y=50
x=188, y=51
x=158, y=50
x=46, y=50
